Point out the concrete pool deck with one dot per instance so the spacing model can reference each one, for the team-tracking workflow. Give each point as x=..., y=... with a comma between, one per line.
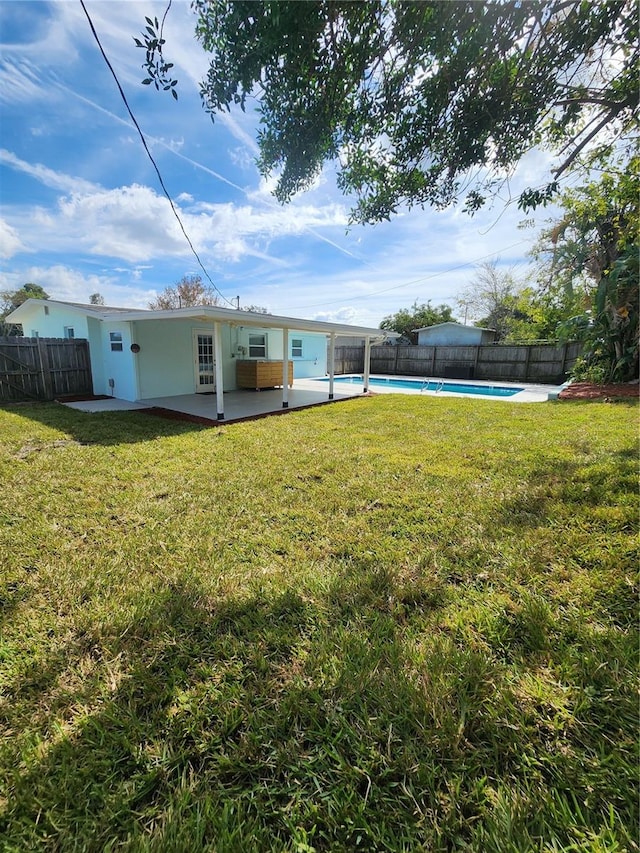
x=530, y=393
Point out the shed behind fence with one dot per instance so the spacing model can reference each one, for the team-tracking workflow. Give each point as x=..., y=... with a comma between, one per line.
x=43, y=368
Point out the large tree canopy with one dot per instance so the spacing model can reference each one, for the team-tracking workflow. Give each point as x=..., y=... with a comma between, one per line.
x=418, y=103
x=12, y=299
x=594, y=249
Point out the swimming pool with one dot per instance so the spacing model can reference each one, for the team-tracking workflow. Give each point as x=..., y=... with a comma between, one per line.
x=433, y=385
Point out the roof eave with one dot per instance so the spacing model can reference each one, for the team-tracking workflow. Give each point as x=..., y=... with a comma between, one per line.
x=251, y=318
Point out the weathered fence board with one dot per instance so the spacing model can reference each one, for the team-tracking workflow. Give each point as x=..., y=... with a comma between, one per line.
x=545, y=363
x=349, y=359
x=43, y=368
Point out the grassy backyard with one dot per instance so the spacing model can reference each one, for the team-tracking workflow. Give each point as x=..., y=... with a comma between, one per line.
x=394, y=623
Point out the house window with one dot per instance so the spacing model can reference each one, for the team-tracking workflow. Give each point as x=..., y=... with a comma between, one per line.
x=115, y=338
x=35, y=333
x=69, y=332
x=257, y=346
x=296, y=347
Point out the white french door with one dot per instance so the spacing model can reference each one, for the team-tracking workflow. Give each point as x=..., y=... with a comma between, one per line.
x=204, y=361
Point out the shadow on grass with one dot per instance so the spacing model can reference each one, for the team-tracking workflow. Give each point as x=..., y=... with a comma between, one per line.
x=287, y=722
x=574, y=484
x=103, y=428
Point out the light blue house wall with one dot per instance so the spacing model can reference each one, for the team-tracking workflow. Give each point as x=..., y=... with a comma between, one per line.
x=51, y=321
x=165, y=365
x=94, y=336
x=312, y=362
x=117, y=365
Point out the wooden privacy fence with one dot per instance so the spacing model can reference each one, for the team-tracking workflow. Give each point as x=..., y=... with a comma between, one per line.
x=548, y=363
x=43, y=368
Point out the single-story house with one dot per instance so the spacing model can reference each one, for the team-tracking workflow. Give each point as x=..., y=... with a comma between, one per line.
x=140, y=354
x=454, y=335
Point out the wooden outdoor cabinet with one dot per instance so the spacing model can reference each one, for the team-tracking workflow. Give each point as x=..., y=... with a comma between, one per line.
x=259, y=374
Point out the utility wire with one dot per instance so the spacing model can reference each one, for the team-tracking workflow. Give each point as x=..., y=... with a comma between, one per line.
x=150, y=156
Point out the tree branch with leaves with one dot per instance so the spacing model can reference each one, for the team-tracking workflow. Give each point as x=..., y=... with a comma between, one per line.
x=411, y=99
x=189, y=292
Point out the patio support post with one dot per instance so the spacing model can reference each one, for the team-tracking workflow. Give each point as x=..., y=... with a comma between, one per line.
x=285, y=368
x=217, y=349
x=367, y=364
x=332, y=362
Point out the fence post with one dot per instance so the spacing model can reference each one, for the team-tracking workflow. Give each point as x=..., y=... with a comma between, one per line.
x=45, y=369
x=395, y=361
x=433, y=362
x=563, y=369
x=527, y=359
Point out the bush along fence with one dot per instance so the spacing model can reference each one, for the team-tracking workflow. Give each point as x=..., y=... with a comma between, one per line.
x=544, y=363
x=43, y=368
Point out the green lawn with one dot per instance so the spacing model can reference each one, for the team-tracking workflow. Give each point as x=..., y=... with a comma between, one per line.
x=394, y=623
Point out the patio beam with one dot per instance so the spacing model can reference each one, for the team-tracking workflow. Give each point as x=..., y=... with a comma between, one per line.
x=367, y=364
x=285, y=368
x=217, y=349
x=332, y=362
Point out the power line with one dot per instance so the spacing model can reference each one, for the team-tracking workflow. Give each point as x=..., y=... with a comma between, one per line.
x=150, y=156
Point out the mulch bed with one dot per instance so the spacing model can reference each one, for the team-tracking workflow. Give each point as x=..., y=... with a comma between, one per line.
x=591, y=391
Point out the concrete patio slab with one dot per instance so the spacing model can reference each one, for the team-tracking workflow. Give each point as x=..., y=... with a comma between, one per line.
x=238, y=405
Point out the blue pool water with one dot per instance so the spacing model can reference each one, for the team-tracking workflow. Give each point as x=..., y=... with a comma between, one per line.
x=431, y=385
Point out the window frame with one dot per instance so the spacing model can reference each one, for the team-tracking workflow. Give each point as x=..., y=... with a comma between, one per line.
x=253, y=347
x=116, y=342
x=297, y=344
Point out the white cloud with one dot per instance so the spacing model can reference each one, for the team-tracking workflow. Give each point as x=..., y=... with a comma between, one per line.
x=10, y=243
x=20, y=83
x=132, y=223
x=70, y=285
x=227, y=221
x=242, y=158
x=136, y=224
x=48, y=177
x=341, y=315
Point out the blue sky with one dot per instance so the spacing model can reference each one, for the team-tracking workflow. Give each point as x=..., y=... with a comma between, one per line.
x=82, y=209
